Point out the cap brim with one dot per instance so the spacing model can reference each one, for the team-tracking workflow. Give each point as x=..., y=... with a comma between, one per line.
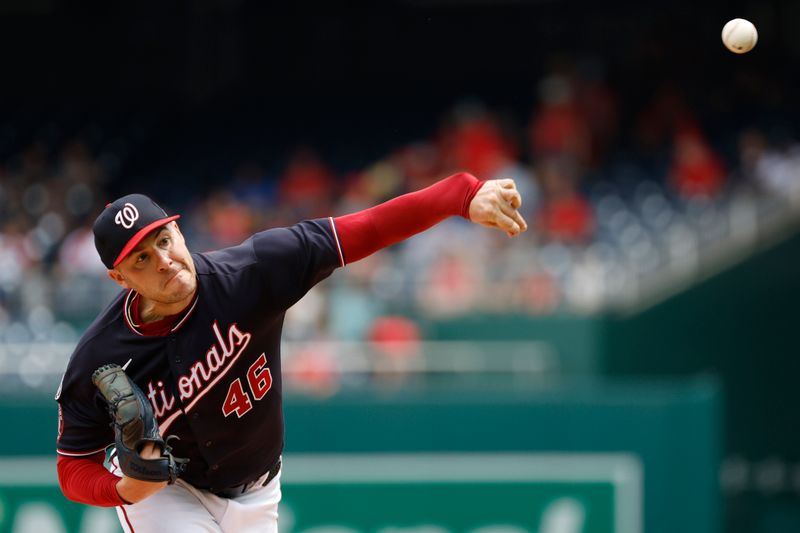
x=141, y=234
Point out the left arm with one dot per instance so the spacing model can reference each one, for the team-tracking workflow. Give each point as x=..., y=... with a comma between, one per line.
x=493, y=203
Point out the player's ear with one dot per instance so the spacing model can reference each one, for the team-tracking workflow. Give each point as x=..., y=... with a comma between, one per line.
x=118, y=278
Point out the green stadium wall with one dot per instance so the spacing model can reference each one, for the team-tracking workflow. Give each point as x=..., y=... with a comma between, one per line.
x=671, y=427
x=740, y=325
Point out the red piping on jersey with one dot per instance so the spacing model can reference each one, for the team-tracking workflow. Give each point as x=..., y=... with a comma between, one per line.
x=159, y=328
x=127, y=520
x=125, y=311
x=114, y=463
x=189, y=312
x=365, y=232
x=338, y=244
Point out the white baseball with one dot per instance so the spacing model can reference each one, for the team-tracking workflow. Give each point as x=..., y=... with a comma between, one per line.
x=739, y=35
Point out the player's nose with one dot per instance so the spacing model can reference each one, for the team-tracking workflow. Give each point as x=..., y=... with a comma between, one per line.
x=164, y=261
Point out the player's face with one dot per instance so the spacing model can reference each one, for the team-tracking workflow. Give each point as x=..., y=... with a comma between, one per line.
x=160, y=269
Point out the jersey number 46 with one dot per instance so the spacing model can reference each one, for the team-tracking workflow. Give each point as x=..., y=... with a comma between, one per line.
x=259, y=380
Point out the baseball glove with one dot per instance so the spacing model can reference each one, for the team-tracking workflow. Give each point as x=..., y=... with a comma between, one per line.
x=135, y=425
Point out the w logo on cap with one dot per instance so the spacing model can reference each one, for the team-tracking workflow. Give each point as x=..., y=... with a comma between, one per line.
x=124, y=223
x=127, y=216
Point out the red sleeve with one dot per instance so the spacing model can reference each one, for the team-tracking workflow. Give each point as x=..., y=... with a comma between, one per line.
x=85, y=480
x=365, y=232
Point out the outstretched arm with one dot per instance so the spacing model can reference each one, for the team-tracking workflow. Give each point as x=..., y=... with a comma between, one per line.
x=491, y=203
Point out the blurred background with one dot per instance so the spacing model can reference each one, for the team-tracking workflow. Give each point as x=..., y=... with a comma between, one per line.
x=645, y=321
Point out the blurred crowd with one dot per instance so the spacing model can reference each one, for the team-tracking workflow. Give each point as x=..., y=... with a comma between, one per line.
x=612, y=209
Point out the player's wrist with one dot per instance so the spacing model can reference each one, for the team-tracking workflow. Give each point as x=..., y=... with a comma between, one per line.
x=120, y=494
x=133, y=490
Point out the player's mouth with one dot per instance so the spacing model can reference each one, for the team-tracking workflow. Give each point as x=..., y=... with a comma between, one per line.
x=174, y=276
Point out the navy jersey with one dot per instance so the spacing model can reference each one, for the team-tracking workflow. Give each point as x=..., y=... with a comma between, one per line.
x=215, y=380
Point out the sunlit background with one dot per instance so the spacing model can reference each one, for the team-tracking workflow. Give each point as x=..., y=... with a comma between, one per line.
x=645, y=321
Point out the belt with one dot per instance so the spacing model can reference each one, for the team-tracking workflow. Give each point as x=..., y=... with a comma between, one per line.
x=261, y=481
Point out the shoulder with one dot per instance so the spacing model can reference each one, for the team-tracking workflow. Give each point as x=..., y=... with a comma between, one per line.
x=271, y=243
x=225, y=260
x=109, y=318
x=303, y=237
x=100, y=339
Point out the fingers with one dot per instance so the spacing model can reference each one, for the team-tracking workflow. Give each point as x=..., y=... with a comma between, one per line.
x=507, y=224
x=512, y=196
x=150, y=450
x=520, y=224
x=496, y=206
x=523, y=226
x=510, y=202
x=508, y=192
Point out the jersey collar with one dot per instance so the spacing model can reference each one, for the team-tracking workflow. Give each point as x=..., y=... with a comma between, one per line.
x=174, y=321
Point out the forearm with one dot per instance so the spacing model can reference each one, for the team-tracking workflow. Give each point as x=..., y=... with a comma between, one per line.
x=85, y=480
x=133, y=490
x=365, y=232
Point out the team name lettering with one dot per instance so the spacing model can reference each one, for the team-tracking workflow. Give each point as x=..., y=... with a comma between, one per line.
x=158, y=397
x=218, y=356
x=203, y=373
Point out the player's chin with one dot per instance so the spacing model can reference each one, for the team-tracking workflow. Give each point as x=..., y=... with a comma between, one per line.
x=182, y=285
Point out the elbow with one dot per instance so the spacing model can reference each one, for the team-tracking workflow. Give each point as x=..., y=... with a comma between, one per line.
x=63, y=484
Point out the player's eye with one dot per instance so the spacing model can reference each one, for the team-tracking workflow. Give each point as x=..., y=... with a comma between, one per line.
x=165, y=241
x=141, y=258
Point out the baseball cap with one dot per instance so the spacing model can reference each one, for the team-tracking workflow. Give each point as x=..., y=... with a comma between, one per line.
x=123, y=224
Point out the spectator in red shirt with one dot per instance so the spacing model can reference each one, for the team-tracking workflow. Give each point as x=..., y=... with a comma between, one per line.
x=474, y=140
x=564, y=215
x=559, y=127
x=696, y=171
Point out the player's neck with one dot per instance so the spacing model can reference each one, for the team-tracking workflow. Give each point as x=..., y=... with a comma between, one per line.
x=151, y=311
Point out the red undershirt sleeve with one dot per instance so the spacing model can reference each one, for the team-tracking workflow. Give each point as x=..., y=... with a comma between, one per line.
x=365, y=232
x=85, y=480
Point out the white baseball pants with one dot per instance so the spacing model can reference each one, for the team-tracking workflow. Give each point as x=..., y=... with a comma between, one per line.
x=181, y=508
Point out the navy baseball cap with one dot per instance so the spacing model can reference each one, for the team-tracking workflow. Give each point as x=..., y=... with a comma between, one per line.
x=123, y=224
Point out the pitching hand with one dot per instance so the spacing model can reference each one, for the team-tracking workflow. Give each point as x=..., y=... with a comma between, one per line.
x=132, y=490
x=495, y=206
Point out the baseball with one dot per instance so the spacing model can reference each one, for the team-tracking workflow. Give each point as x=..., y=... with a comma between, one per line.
x=739, y=36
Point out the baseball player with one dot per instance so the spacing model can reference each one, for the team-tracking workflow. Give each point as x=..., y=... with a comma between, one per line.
x=180, y=376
